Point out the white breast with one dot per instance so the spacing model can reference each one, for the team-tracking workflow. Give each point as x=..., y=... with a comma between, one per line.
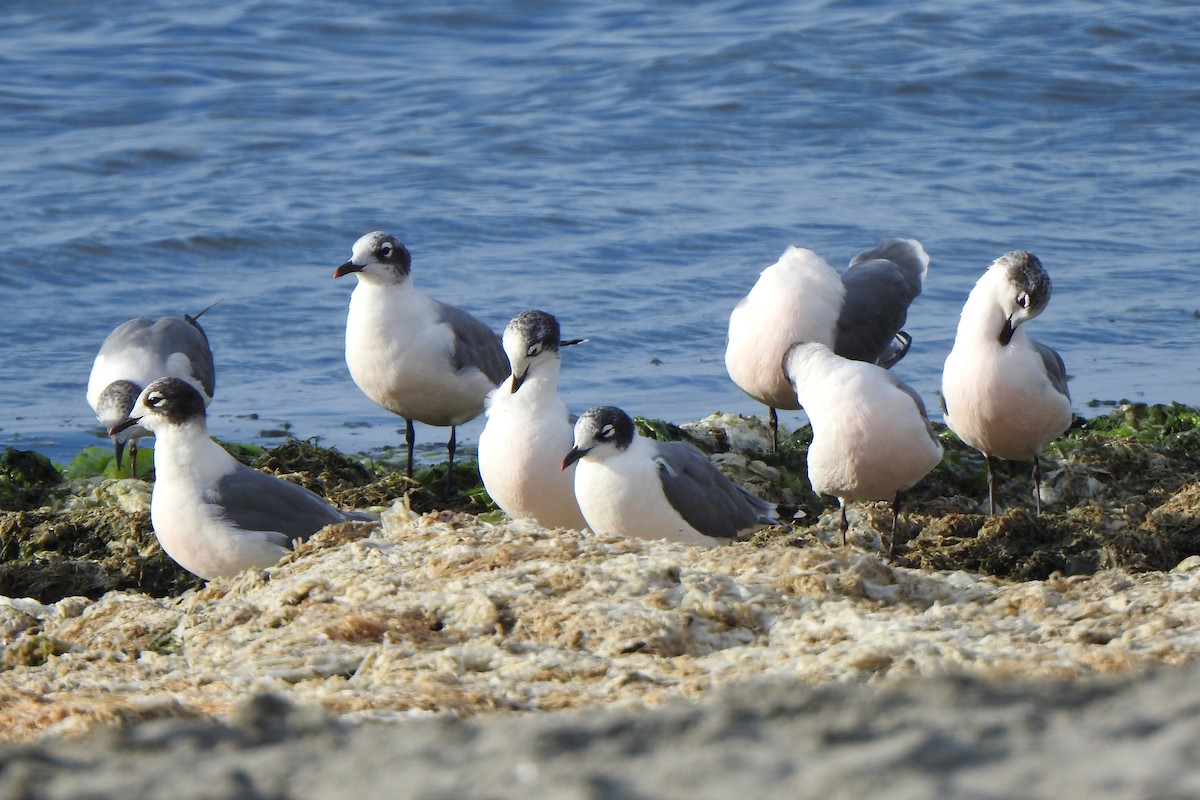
x=400, y=356
x=622, y=496
x=1000, y=400
x=798, y=299
x=190, y=530
x=521, y=450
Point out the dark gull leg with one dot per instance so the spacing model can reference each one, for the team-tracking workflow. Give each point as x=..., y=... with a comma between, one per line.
x=1037, y=486
x=774, y=417
x=451, y=446
x=132, y=458
x=844, y=525
x=895, y=525
x=410, y=436
x=991, y=482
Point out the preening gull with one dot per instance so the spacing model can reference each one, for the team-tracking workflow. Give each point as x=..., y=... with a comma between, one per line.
x=1004, y=393
x=800, y=298
x=630, y=485
x=414, y=355
x=138, y=352
x=871, y=436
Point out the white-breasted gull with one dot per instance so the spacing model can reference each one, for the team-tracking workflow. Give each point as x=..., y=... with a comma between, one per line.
x=872, y=438
x=529, y=428
x=1004, y=393
x=630, y=485
x=212, y=514
x=138, y=352
x=414, y=355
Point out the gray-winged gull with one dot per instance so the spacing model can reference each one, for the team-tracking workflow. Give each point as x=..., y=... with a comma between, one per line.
x=414, y=355
x=630, y=485
x=212, y=514
x=871, y=436
x=800, y=298
x=1004, y=393
x=138, y=352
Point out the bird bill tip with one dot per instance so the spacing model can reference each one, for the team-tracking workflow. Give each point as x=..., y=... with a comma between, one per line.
x=346, y=269
x=573, y=456
x=120, y=426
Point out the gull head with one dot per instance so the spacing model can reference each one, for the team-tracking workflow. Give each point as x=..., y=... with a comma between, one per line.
x=1024, y=292
x=531, y=338
x=377, y=258
x=600, y=433
x=165, y=402
x=113, y=408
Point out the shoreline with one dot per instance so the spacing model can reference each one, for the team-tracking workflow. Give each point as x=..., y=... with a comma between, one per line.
x=498, y=631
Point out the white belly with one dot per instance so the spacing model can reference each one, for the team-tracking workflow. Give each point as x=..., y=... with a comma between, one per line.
x=624, y=497
x=191, y=532
x=403, y=363
x=1000, y=401
x=521, y=450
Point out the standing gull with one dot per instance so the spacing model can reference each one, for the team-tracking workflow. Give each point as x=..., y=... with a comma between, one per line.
x=629, y=485
x=871, y=436
x=800, y=298
x=212, y=514
x=528, y=429
x=1004, y=393
x=140, y=351
x=413, y=355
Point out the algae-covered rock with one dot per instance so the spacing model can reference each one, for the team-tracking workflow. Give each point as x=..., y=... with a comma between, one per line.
x=26, y=479
x=51, y=554
x=1121, y=491
x=1118, y=491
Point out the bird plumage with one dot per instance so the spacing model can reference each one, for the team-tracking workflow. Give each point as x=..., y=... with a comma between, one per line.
x=1004, y=393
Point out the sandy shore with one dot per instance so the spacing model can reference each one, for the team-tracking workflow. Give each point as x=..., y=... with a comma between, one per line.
x=556, y=664
x=916, y=738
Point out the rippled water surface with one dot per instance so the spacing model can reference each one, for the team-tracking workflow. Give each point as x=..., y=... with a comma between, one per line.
x=628, y=167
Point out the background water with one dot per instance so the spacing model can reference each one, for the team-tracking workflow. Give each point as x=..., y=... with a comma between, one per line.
x=629, y=167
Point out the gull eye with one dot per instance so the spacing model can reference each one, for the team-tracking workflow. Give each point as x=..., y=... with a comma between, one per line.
x=154, y=399
x=533, y=350
x=1023, y=300
x=607, y=432
x=385, y=249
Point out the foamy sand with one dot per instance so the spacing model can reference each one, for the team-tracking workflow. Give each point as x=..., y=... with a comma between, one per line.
x=443, y=656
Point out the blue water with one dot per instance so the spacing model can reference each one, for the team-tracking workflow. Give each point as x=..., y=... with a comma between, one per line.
x=629, y=167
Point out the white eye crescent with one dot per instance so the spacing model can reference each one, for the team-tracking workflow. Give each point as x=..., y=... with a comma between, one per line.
x=607, y=432
x=385, y=249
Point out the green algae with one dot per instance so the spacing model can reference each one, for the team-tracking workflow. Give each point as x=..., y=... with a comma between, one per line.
x=27, y=479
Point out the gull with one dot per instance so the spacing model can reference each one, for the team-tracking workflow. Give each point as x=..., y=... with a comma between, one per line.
x=871, y=436
x=800, y=298
x=412, y=354
x=212, y=514
x=1004, y=393
x=137, y=352
x=529, y=428
x=629, y=485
